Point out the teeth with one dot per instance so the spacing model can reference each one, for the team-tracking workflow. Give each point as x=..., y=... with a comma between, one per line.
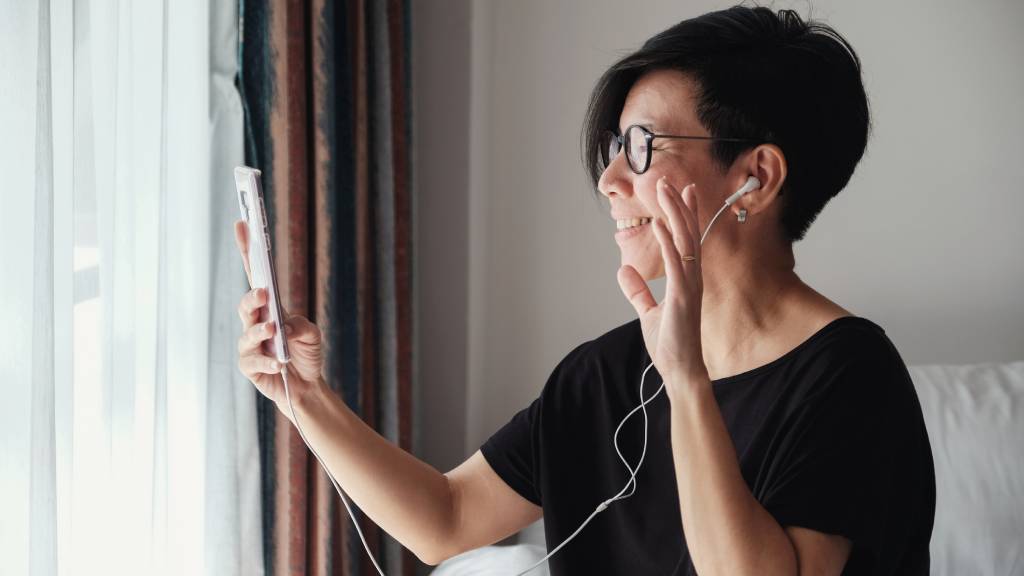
x=631, y=222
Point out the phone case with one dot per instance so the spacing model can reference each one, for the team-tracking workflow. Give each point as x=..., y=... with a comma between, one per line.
x=261, y=261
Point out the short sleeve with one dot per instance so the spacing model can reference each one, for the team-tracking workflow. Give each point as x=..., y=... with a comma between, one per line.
x=845, y=454
x=512, y=452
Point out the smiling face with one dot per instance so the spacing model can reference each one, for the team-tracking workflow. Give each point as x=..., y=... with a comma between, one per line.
x=663, y=102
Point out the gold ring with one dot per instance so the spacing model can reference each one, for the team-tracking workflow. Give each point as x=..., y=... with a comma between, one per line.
x=689, y=258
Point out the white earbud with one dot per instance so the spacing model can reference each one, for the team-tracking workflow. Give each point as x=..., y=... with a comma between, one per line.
x=752, y=184
x=630, y=488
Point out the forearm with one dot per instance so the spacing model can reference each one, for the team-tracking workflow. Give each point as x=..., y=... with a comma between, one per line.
x=405, y=496
x=727, y=530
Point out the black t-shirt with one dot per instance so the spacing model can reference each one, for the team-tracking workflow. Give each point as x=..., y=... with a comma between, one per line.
x=829, y=436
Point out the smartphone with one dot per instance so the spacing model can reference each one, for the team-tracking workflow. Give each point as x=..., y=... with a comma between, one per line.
x=261, y=260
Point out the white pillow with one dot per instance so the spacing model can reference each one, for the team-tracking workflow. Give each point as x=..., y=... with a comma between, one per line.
x=494, y=561
x=975, y=419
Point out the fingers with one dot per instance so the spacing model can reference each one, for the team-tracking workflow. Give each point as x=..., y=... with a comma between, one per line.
x=242, y=241
x=689, y=196
x=251, y=361
x=253, y=336
x=241, y=236
x=672, y=205
x=300, y=329
x=636, y=290
x=690, y=200
x=669, y=255
x=249, y=307
x=253, y=365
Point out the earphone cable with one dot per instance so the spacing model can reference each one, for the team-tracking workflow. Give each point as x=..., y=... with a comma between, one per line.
x=713, y=218
x=341, y=494
x=631, y=483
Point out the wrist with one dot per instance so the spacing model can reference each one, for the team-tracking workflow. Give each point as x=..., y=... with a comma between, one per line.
x=305, y=394
x=682, y=386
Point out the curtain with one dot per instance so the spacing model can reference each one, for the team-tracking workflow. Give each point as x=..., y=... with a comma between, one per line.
x=327, y=91
x=127, y=435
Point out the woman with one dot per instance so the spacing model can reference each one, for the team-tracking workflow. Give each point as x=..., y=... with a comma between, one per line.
x=789, y=438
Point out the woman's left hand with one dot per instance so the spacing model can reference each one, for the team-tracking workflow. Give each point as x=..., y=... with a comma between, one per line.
x=671, y=328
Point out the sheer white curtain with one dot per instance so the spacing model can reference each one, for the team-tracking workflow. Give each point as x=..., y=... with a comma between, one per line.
x=127, y=436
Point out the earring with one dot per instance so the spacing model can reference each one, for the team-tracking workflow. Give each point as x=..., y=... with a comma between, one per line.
x=742, y=216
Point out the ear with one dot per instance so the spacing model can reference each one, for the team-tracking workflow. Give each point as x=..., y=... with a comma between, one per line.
x=768, y=164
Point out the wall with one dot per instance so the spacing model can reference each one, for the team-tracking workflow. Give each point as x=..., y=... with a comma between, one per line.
x=516, y=260
x=440, y=100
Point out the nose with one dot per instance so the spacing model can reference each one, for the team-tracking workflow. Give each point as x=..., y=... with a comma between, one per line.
x=615, y=178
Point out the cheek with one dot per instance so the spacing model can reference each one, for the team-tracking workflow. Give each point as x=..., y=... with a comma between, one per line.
x=648, y=200
x=647, y=190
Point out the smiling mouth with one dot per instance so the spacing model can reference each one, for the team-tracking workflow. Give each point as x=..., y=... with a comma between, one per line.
x=627, y=229
x=631, y=223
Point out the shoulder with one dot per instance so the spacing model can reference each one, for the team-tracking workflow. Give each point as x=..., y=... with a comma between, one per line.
x=608, y=347
x=850, y=357
x=623, y=338
x=853, y=342
x=596, y=362
x=856, y=363
x=852, y=335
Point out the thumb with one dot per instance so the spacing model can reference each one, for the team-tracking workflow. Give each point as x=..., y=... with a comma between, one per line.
x=242, y=241
x=635, y=289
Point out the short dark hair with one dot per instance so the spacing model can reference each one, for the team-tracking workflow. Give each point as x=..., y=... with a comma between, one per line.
x=759, y=74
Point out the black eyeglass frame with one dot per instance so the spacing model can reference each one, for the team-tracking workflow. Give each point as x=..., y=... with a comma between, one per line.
x=649, y=138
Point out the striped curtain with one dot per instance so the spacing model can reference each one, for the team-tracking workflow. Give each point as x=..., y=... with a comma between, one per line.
x=326, y=86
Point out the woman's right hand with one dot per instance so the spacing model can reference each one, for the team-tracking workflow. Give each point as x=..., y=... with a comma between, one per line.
x=433, y=516
x=304, y=343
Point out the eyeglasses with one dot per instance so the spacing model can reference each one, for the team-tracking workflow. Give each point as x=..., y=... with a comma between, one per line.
x=637, y=143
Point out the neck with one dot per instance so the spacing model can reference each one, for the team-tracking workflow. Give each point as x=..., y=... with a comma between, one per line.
x=746, y=293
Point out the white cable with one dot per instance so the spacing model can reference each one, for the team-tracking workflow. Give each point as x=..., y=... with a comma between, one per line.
x=291, y=408
x=632, y=471
x=631, y=483
x=643, y=453
x=713, y=218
